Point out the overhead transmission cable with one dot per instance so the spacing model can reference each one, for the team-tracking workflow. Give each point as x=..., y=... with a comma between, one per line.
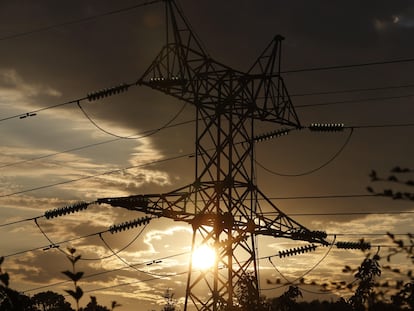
x=112, y=229
x=94, y=123
x=184, y=272
x=148, y=262
x=361, y=100
x=293, y=282
x=77, y=21
x=308, y=271
x=355, y=90
x=113, y=253
x=95, y=175
x=347, y=66
x=126, y=226
x=289, y=214
x=137, y=137
x=116, y=254
x=155, y=162
x=313, y=170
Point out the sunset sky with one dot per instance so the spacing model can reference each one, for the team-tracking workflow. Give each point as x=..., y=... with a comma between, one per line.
x=59, y=156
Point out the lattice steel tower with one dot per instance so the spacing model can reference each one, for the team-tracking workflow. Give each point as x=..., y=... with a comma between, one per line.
x=223, y=204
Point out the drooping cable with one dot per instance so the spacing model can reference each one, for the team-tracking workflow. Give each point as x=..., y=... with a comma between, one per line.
x=330, y=160
x=52, y=244
x=290, y=283
x=119, y=250
x=164, y=160
x=95, y=175
x=149, y=262
x=138, y=136
x=113, y=253
x=308, y=271
x=132, y=266
x=94, y=123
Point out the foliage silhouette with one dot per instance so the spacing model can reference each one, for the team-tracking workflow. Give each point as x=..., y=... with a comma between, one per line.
x=77, y=293
x=50, y=301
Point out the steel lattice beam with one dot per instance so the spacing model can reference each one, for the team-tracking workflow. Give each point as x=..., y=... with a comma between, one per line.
x=223, y=202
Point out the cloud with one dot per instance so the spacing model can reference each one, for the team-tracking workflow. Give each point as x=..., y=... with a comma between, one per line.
x=14, y=89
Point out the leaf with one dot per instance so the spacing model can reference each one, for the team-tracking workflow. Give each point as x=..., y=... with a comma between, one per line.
x=73, y=276
x=114, y=304
x=75, y=294
x=392, y=178
x=75, y=259
x=396, y=169
x=390, y=235
x=71, y=250
x=373, y=175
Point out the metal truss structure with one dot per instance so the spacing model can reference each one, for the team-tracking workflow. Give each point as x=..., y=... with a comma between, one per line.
x=223, y=204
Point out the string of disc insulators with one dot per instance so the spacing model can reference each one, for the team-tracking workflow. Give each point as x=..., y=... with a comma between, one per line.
x=362, y=245
x=108, y=92
x=69, y=209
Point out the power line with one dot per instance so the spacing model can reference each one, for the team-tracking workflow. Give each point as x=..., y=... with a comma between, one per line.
x=356, y=90
x=314, y=169
x=91, y=97
x=94, y=176
x=77, y=21
x=327, y=196
x=149, y=262
x=107, y=230
x=136, y=136
x=307, y=197
x=53, y=244
x=41, y=109
x=382, y=125
x=161, y=161
x=316, y=197
x=131, y=137
x=323, y=68
x=343, y=214
x=307, y=272
x=354, y=101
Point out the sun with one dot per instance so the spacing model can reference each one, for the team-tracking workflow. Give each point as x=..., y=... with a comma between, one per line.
x=204, y=257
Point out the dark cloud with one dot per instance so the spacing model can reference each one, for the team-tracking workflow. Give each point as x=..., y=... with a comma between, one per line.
x=68, y=62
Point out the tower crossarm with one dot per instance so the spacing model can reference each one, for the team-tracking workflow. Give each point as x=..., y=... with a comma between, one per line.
x=184, y=70
x=179, y=205
x=281, y=225
x=284, y=227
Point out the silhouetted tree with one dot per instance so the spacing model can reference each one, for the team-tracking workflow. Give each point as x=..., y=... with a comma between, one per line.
x=50, y=301
x=287, y=301
x=93, y=306
x=248, y=297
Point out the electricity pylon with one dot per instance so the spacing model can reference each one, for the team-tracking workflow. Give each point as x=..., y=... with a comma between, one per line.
x=223, y=204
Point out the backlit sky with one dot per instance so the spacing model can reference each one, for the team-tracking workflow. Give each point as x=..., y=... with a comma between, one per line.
x=44, y=159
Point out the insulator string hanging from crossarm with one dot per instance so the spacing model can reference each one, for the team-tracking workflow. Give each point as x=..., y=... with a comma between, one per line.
x=69, y=209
